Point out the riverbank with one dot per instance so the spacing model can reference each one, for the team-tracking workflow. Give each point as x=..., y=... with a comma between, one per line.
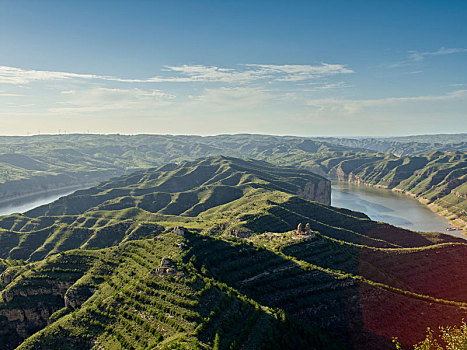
x=46, y=191
x=457, y=222
x=452, y=218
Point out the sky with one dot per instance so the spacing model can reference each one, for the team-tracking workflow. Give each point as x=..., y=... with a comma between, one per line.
x=305, y=68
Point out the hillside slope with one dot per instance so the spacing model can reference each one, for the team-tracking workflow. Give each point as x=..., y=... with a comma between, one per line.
x=195, y=291
x=111, y=267
x=405, y=146
x=33, y=164
x=40, y=163
x=221, y=192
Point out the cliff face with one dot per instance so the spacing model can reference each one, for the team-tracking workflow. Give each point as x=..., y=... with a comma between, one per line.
x=459, y=195
x=56, y=288
x=318, y=191
x=338, y=173
x=31, y=294
x=26, y=310
x=19, y=323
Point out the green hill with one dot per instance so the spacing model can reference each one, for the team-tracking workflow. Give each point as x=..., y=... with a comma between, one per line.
x=30, y=165
x=195, y=291
x=213, y=193
x=111, y=267
x=145, y=294
x=406, y=145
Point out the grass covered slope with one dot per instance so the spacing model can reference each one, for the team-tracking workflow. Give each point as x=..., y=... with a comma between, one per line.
x=142, y=294
x=187, y=290
x=30, y=165
x=36, y=163
x=405, y=145
x=189, y=188
x=111, y=268
x=211, y=193
x=214, y=195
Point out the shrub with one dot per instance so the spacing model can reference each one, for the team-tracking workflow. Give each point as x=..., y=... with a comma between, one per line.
x=450, y=338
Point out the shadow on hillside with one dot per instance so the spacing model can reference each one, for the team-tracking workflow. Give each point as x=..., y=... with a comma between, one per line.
x=436, y=273
x=338, y=223
x=317, y=298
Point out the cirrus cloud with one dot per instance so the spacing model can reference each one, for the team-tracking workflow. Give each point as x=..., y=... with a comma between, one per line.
x=188, y=73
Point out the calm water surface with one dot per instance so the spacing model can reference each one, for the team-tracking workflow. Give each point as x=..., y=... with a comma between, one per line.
x=384, y=205
x=30, y=202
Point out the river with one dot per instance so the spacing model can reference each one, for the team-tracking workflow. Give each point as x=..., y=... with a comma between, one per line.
x=394, y=208
x=379, y=204
x=30, y=202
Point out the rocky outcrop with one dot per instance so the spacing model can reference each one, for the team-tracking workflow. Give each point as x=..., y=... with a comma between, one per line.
x=179, y=231
x=305, y=231
x=26, y=310
x=319, y=191
x=339, y=174
x=16, y=324
x=76, y=295
x=167, y=267
x=459, y=195
x=53, y=288
x=7, y=276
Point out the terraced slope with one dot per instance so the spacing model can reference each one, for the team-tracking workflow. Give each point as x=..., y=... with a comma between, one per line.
x=122, y=298
x=405, y=146
x=40, y=163
x=357, y=310
x=210, y=193
x=215, y=195
x=186, y=290
x=111, y=268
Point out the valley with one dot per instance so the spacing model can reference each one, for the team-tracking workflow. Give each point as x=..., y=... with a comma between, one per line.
x=228, y=175
x=46, y=162
x=205, y=254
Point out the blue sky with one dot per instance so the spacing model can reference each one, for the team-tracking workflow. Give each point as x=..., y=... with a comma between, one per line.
x=311, y=68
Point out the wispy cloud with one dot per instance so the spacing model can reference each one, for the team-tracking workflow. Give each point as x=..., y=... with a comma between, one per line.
x=289, y=72
x=189, y=73
x=6, y=94
x=17, y=76
x=418, y=56
x=100, y=99
x=346, y=106
x=201, y=73
x=338, y=85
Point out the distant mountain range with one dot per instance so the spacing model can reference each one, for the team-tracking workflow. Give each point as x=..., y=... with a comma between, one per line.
x=406, y=145
x=434, y=172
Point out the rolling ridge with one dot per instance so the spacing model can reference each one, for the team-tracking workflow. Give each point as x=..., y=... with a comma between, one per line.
x=204, y=254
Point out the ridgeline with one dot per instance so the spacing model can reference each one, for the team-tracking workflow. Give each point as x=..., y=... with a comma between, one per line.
x=204, y=255
x=428, y=167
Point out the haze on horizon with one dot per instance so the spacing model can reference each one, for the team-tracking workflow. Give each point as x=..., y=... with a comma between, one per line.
x=181, y=67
